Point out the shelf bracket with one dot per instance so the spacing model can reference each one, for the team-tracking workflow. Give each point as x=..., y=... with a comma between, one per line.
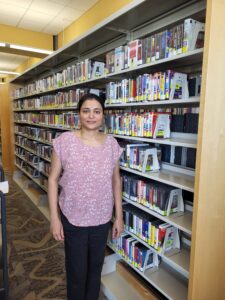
x=128, y=33
x=121, y=30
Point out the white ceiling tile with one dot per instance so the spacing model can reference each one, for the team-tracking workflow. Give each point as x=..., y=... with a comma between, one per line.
x=69, y=13
x=51, y=31
x=37, y=17
x=59, y=22
x=18, y=3
x=8, y=20
x=46, y=7
x=11, y=10
x=62, y=2
x=83, y=5
x=56, y=26
x=35, y=26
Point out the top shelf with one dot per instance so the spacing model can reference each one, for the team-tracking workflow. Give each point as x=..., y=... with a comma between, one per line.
x=191, y=57
x=135, y=20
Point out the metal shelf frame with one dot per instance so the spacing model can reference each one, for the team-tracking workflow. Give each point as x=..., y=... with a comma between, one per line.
x=128, y=23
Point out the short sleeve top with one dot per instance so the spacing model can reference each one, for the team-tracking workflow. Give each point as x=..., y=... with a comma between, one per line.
x=86, y=196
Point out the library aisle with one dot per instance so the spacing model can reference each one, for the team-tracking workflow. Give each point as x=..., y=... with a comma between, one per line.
x=36, y=260
x=154, y=62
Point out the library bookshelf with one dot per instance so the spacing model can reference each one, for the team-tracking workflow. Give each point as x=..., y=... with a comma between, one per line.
x=174, y=277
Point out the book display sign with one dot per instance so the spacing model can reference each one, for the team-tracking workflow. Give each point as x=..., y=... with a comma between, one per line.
x=151, y=162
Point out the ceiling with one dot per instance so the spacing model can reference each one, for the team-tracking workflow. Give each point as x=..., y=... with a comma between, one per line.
x=10, y=62
x=46, y=16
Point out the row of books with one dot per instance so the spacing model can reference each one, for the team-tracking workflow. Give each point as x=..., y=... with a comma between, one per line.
x=38, y=178
x=67, y=120
x=45, y=135
x=58, y=100
x=151, y=123
x=146, y=87
x=156, y=196
x=173, y=41
x=36, y=161
x=28, y=168
x=185, y=120
x=144, y=158
x=166, y=85
x=181, y=156
x=160, y=235
x=34, y=146
x=134, y=252
x=138, y=124
x=61, y=99
x=79, y=72
x=140, y=157
x=168, y=43
x=29, y=157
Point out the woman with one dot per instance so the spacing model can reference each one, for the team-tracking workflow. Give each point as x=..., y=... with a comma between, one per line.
x=88, y=163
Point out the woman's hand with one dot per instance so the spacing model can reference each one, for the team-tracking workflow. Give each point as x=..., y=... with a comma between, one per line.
x=117, y=228
x=56, y=229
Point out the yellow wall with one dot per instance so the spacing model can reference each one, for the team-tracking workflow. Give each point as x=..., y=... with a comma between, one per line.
x=23, y=67
x=97, y=13
x=27, y=64
x=10, y=34
x=23, y=37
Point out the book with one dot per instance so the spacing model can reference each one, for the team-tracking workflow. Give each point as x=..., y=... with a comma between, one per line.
x=119, y=58
x=135, y=50
x=110, y=62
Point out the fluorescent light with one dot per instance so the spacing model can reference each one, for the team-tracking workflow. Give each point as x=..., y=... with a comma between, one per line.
x=2, y=82
x=30, y=49
x=9, y=72
x=19, y=47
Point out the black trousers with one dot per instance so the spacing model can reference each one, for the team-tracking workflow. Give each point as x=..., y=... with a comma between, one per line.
x=84, y=252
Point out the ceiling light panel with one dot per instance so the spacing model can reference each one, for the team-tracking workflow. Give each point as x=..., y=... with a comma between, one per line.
x=9, y=72
x=30, y=49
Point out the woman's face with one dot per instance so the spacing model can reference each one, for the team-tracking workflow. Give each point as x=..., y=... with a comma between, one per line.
x=91, y=115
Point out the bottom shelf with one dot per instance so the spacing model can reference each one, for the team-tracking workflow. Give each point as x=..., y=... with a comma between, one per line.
x=164, y=279
x=115, y=287
x=120, y=282
x=35, y=193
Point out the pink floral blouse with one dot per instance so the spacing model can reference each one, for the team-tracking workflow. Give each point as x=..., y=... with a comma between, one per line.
x=86, y=196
